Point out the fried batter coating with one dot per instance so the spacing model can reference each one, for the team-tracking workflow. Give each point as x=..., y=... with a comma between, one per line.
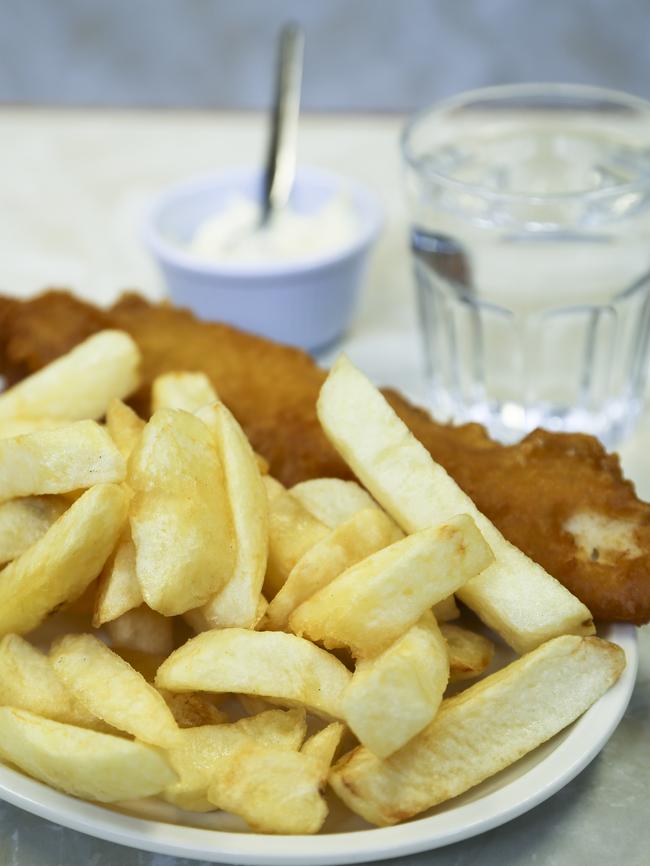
x=561, y=498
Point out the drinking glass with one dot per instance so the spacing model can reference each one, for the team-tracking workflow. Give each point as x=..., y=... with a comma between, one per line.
x=530, y=214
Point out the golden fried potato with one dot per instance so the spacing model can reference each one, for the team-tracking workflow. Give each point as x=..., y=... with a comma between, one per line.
x=482, y=730
x=83, y=763
x=124, y=426
x=274, y=790
x=401, y=475
x=366, y=532
x=59, y=567
x=198, y=752
x=11, y=427
x=393, y=696
x=292, y=531
x=118, y=590
x=322, y=746
x=23, y=521
x=279, y=666
x=112, y=690
x=180, y=516
x=28, y=682
x=80, y=384
x=332, y=500
x=469, y=653
x=375, y=601
x=236, y=605
x=187, y=391
x=73, y=457
x=142, y=629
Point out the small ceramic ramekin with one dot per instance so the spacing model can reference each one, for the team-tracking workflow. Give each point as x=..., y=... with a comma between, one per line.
x=307, y=302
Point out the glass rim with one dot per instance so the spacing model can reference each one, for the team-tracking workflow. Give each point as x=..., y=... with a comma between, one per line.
x=500, y=90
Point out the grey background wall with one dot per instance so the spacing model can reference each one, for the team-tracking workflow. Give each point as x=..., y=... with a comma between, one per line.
x=361, y=54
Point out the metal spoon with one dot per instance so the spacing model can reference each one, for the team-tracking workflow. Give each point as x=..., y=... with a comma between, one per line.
x=280, y=166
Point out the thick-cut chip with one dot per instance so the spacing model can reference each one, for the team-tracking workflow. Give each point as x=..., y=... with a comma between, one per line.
x=28, y=682
x=10, y=427
x=65, y=561
x=80, y=384
x=292, y=531
x=482, y=730
x=273, y=790
x=279, y=666
x=198, y=752
x=180, y=516
x=375, y=601
x=187, y=391
x=142, y=629
x=392, y=697
x=323, y=745
x=119, y=589
x=237, y=603
x=83, y=763
x=24, y=521
x=124, y=426
x=56, y=461
x=332, y=500
x=364, y=533
x=469, y=653
x=401, y=475
x=112, y=690
x=446, y=609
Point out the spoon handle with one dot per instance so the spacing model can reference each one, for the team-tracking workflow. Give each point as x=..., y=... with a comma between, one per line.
x=281, y=159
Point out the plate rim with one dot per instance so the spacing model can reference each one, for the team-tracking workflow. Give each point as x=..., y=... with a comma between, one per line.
x=421, y=834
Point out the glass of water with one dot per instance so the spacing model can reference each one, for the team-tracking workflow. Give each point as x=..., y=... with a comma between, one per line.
x=530, y=214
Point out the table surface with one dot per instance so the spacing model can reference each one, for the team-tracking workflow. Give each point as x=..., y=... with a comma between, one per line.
x=74, y=187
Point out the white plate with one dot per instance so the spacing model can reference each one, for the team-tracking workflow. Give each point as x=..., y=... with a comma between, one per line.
x=153, y=826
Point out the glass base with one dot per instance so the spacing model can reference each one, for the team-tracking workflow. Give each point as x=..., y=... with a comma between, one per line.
x=509, y=422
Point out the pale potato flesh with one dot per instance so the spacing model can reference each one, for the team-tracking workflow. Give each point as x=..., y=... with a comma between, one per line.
x=73, y=457
x=482, y=730
x=332, y=500
x=322, y=745
x=124, y=426
x=393, y=696
x=279, y=666
x=80, y=384
x=375, y=601
x=292, y=531
x=515, y=596
x=236, y=605
x=273, y=790
x=469, y=653
x=60, y=566
x=143, y=630
x=28, y=682
x=118, y=590
x=23, y=521
x=187, y=391
x=83, y=763
x=111, y=689
x=366, y=532
x=198, y=752
x=10, y=427
x=181, y=522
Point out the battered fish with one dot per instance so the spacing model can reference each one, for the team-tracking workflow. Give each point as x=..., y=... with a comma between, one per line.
x=559, y=497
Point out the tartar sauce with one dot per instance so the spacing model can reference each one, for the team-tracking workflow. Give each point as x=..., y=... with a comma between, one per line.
x=233, y=235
